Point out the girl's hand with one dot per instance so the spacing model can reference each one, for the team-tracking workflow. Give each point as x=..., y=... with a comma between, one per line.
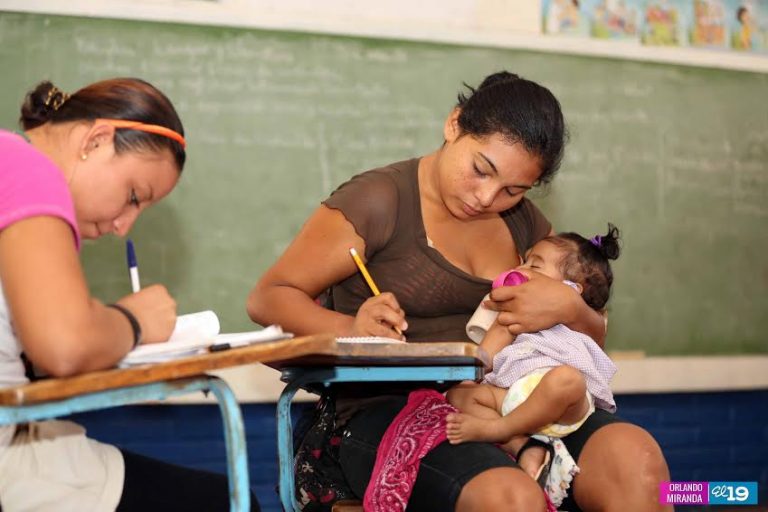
x=155, y=310
x=495, y=340
x=537, y=304
x=378, y=316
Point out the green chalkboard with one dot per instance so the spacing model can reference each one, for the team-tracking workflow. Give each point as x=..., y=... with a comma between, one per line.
x=675, y=156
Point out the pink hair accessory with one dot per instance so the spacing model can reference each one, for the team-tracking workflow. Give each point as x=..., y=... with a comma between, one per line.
x=509, y=278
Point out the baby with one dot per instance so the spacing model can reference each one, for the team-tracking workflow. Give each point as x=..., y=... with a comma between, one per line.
x=548, y=382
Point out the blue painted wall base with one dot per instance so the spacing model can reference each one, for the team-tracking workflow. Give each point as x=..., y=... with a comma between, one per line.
x=705, y=436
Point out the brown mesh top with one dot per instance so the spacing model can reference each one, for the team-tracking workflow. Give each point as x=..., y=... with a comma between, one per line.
x=438, y=298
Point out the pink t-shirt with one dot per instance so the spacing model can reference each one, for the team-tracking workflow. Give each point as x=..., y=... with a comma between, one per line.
x=31, y=185
x=38, y=474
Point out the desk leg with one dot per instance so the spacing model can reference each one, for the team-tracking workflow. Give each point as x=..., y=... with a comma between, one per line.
x=295, y=380
x=285, y=446
x=237, y=452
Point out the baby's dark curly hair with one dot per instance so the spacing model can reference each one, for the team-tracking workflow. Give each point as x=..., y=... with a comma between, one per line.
x=587, y=262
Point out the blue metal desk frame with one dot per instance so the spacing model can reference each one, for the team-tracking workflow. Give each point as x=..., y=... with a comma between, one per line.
x=297, y=377
x=234, y=432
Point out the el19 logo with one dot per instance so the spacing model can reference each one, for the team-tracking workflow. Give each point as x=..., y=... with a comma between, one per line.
x=733, y=493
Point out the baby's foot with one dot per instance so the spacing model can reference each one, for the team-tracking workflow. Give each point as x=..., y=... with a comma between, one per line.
x=532, y=460
x=463, y=427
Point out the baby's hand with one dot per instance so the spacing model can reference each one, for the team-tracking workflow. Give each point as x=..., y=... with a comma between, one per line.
x=495, y=340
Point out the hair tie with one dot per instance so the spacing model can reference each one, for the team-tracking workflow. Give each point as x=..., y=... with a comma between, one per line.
x=56, y=98
x=596, y=241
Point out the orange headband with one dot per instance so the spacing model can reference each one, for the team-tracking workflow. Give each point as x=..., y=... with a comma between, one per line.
x=149, y=128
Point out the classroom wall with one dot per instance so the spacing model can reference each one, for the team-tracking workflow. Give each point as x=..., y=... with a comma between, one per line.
x=712, y=436
x=507, y=24
x=503, y=23
x=705, y=434
x=426, y=19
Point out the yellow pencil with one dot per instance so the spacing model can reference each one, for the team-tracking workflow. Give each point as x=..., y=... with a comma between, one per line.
x=364, y=271
x=368, y=278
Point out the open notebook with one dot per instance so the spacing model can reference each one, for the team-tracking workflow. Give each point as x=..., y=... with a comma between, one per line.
x=197, y=333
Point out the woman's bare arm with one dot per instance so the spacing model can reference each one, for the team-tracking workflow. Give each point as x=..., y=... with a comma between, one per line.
x=316, y=259
x=62, y=329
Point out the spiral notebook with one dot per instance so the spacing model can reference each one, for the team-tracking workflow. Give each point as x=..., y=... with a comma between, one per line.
x=368, y=339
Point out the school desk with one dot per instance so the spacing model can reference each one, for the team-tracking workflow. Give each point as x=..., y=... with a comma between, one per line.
x=55, y=397
x=366, y=362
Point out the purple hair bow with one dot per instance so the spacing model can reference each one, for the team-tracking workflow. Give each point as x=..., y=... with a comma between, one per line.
x=596, y=240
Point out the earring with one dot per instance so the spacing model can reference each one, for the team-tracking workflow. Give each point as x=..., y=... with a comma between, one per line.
x=83, y=157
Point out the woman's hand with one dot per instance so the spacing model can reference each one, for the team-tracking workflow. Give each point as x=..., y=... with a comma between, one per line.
x=538, y=304
x=543, y=302
x=155, y=310
x=378, y=316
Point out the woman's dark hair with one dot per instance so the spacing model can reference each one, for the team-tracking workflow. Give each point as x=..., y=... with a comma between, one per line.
x=587, y=262
x=130, y=99
x=522, y=112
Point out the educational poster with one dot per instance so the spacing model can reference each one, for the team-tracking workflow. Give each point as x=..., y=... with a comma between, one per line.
x=563, y=17
x=601, y=19
x=748, y=25
x=736, y=25
x=614, y=19
x=666, y=22
x=708, y=25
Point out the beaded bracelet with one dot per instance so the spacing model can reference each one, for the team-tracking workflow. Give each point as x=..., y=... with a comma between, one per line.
x=132, y=319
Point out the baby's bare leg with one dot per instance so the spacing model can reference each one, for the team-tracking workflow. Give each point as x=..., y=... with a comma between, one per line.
x=532, y=459
x=480, y=406
x=559, y=397
x=476, y=399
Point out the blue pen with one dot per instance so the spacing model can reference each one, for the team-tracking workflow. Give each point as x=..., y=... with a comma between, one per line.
x=133, y=267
